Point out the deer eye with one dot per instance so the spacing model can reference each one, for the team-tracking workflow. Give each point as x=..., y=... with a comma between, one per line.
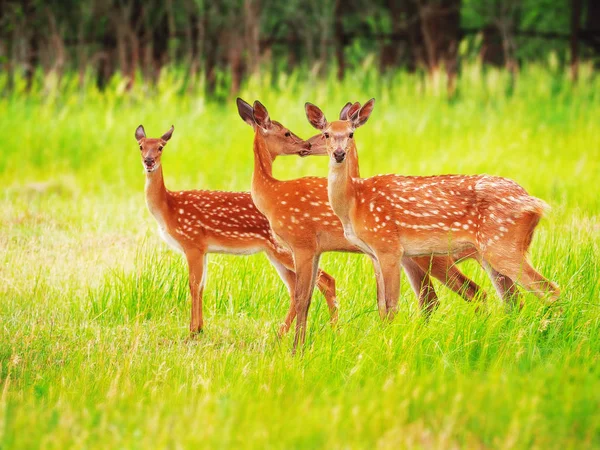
x=160, y=149
x=326, y=135
x=141, y=148
x=351, y=135
x=288, y=134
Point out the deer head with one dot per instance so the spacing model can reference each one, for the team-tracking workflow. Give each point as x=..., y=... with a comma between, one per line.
x=280, y=140
x=339, y=134
x=151, y=149
x=318, y=143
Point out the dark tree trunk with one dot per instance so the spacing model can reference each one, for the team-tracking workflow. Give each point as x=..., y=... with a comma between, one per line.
x=160, y=44
x=492, y=52
x=390, y=50
x=33, y=44
x=339, y=38
x=252, y=21
x=575, y=27
x=440, y=22
x=592, y=25
x=415, y=37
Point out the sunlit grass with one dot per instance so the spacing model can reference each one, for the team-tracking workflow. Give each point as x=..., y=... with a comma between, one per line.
x=94, y=308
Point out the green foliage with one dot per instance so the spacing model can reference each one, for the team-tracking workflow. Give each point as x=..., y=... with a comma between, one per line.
x=94, y=351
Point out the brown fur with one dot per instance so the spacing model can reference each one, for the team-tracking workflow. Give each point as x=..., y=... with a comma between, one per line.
x=394, y=216
x=300, y=215
x=201, y=222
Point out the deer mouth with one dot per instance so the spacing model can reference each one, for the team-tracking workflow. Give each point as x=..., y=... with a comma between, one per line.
x=339, y=157
x=150, y=168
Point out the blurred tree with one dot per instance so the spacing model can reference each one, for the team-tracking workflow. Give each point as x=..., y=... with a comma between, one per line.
x=440, y=20
x=225, y=41
x=593, y=27
x=575, y=29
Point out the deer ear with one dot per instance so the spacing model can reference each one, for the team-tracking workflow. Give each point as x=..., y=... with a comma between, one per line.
x=348, y=110
x=261, y=115
x=344, y=111
x=360, y=117
x=246, y=112
x=140, y=133
x=168, y=134
x=355, y=107
x=315, y=116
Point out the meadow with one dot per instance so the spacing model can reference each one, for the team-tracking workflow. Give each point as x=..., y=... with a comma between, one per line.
x=94, y=307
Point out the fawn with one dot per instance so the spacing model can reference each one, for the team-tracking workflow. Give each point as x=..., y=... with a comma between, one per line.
x=393, y=216
x=199, y=222
x=300, y=215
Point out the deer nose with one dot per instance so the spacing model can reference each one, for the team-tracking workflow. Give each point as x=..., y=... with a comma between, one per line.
x=339, y=155
x=149, y=162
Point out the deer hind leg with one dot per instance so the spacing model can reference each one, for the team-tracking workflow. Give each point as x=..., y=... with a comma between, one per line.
x=307, y=264
x=326, y=284
x=416, y=271
x=445, y=270
x=505, y=286
x=289, y=279
x=514, y=264
x=381, y=305
x=197, y=277
x=521, y=271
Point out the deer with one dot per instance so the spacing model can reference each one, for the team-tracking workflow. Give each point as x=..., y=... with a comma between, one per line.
x=393, y=217
x=198, y=222
x=302, y=219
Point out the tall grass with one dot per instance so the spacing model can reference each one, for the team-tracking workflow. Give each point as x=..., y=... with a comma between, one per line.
x=94, y=351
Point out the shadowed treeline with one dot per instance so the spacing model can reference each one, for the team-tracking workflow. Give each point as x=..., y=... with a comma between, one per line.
x=226, y=41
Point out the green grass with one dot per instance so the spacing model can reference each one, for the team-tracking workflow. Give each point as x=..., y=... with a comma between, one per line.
x=94, y=351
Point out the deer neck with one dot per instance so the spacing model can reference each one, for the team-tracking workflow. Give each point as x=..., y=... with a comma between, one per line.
x=353, y=168
x=156, y=195
x=340, y=189
x=262, y=177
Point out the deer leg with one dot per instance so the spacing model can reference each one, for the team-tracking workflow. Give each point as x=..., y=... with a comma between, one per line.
x=284, y=264
x=535, y=282
x=307, y=265
x=197, y=276
x=421, y=284
x=289, y=279
x=525, y=274
x=505, y=286
x=390, y=270
x=445, y=270
x=326, y=284
x=381, y=305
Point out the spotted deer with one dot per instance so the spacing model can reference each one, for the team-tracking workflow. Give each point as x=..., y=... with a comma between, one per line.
x=301, y=217
x=199, y=222
x=393, y=217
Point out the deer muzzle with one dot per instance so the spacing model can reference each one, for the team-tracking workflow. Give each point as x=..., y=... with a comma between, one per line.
x=149, y=163
x=339, y=155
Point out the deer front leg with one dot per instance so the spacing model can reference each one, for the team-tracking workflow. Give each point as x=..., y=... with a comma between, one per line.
x=381, y=305
x=197, y=273
x=307, y=265
x=421, y=284
x=389, y=261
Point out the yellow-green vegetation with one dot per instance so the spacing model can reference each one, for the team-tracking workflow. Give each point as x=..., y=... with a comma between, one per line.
x=94, y=308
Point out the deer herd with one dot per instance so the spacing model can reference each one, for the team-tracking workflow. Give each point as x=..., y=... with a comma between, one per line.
x=422, y=224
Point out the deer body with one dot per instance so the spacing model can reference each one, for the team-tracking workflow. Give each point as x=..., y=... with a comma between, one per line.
x=490, y=218
x=432, y=215
x=199, y=222
x=300, y=214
